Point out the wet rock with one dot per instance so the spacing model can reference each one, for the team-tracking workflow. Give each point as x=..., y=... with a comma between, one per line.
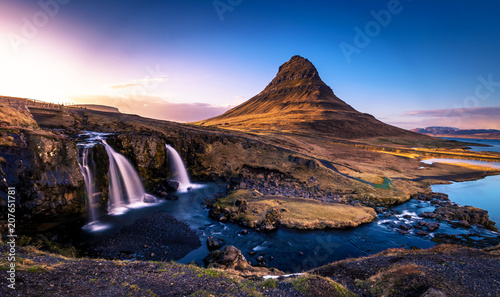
x=404, y=227
x=429, y=215
x=422, y=233
x=469, y=214
x=172, y=185
x=228, y=258
x=149, y=199
x=430, y=226
x=463, y=224
x=261, y=261
x=214, y=243
x=244, y=231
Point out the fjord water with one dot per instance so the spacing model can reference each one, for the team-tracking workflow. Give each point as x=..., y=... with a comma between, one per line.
x=494, y=144
x=483, y=193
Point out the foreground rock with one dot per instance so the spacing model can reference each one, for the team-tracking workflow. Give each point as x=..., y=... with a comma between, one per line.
x=228, y=258
x=265, y=213
x=157, y=237
x=441, y=271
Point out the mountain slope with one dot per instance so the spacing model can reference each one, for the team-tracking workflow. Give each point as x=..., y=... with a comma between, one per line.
x=298, y=101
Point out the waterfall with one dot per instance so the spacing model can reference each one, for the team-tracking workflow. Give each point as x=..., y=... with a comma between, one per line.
x=125, y=187
x=87, y=168
x=180, y=173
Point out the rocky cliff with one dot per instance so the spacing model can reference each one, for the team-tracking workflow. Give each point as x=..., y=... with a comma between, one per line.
x=43, y=168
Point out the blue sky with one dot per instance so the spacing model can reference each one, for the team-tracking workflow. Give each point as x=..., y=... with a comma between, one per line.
x=421, y=63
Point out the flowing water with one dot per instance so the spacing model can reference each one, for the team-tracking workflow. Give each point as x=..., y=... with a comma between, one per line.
x=292, y=250
x=483, y=193
x=125, y=186
x=87, y=168
x=178, y=169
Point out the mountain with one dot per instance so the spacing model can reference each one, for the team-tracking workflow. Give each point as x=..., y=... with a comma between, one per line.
x=459, y=133
x=298, y=101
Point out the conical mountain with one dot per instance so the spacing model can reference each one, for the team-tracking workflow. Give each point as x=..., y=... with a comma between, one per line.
x=298, y=101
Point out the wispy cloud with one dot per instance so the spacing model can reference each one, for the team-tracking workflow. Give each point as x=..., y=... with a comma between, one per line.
x=144, y=82
x=463, y=118
x=156, y=107
x=124, y=85
x=456, y=112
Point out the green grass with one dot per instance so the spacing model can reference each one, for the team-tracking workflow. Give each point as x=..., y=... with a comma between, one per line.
x=314, y=285
x=270, y=284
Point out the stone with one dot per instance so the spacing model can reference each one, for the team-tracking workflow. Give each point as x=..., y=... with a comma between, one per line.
x=427, y=214
x=172, y=185
x=149, y=199
x=463, y=224
x=404, y=227
x=228, y=258
x=214, y=243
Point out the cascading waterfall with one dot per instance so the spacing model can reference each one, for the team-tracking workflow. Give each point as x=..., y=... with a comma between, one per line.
x=125, y=187
x=87, y=168
x=180, y=173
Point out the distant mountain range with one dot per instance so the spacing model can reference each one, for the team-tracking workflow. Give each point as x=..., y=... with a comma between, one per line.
x=459, y=133
x=297, y=101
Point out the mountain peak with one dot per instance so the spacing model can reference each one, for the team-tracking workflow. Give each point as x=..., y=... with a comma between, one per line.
x=298, y=101
x=296, y=68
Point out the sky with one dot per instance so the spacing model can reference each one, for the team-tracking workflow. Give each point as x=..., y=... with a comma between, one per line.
x=409, y=63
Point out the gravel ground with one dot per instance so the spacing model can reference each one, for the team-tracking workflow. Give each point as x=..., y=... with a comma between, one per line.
x=157, y=237
x=42, y=274
x=453, y=270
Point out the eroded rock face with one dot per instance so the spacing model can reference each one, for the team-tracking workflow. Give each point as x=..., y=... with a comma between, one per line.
x=44, y=170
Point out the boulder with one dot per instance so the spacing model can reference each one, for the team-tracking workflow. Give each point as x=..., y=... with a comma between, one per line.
x=228, y=258
x=172, y=185
x=214, y=243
